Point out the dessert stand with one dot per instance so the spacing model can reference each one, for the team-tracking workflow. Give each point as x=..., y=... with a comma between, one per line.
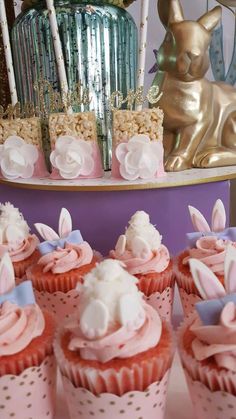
x=101, y=208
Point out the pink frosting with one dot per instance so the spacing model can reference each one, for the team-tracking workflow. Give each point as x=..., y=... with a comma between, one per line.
x=18, y=327
x=119, y=342
x=20, y=251
x=64, y=260
x=219, y=340
x=211, y=251
x=156, y=261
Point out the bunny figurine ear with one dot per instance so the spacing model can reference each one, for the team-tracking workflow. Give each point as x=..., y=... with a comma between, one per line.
x=218, y=216
x=170, y=11
x=198, y=220
x=230, y=270
x=46, y=232
x=65, y=223
x=7, y=275
x=210, y=19
x=207, y=283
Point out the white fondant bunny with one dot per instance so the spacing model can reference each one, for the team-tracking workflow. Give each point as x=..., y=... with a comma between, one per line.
x=64, y=228
x=207, y=282
x=218, y=220
x=141, y=237
x=109, y=296
x=7, y=275
x=13, y=227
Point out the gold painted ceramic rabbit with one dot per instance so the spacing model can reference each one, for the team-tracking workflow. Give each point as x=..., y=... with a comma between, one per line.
x=200, y=116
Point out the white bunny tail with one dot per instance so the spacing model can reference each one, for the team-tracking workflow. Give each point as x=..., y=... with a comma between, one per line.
x=198, y=220
x=230, y=270
x=218, y=220
x=46, y=232
x=65, y=223
x=7, y=275
x=205, y=280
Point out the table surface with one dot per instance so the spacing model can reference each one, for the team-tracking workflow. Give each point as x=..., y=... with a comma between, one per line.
x=178, y=403
x=171, y=180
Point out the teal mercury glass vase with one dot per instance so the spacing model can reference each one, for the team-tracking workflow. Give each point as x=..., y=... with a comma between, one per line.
x=100, y=47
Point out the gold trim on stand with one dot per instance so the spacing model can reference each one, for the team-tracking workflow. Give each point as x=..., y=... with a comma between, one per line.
x=172, y=180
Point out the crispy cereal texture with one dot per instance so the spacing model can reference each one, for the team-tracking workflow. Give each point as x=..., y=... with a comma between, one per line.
x=126, y=124
x=81, y=125
x=29, y=129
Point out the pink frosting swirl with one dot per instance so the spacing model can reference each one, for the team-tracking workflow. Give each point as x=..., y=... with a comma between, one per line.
x=20, y=251
x=64, y=260
x=155, y=261
x=219, y=340
x=120, y=341
x=211, y=251
x=18, y=327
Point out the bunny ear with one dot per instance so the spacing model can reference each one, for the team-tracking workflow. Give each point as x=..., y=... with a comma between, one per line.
x=218, y=220
x=46, y=232
x=211, y=19
x=230, y=270
x=65, y=223
x=198, y=220
x=7, y=275
x=207, y=283
x=170, y=11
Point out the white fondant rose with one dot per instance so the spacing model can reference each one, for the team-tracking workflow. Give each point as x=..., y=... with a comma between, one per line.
x=17, y=158
x=139, y=157
x=72, y=157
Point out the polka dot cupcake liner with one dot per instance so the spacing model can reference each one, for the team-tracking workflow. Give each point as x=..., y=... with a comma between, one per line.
x=31, y=394
x=163, y=302
x=61, y=304
x=210, y=404
x=188, y=301
x=136, y=404
x=213, y=378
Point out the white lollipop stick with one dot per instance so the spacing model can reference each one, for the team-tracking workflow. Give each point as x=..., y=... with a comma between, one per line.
x=58, y=49
x=8, y=53
x=142, y=44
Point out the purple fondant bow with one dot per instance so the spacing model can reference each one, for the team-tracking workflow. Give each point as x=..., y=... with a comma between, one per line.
x=227, y=234
x=210, y=311
x=49, y=246
x=22, y=295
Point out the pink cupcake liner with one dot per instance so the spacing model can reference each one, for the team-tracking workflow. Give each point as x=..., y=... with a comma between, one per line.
x=149, y=284
x=61, y=304
x=21, y=267
x=135, y=377
x=188, y=301
x=162, y=302
x=183, y=280
x=213, y=379
x=136, y=404
x=210, y=404
x=31, y=394
x=61, y=282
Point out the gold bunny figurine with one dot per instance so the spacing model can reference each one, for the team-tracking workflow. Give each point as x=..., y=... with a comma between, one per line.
x=200, y=116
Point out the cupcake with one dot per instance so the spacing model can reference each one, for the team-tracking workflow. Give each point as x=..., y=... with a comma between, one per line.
x=207, y=343
x=65, y=259
x=27, y=365
x=114, y=352
x=15, y=238
x=207, y=245
x=145, y=257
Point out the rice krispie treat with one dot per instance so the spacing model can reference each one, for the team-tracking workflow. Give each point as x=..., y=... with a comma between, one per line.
x=21, y=148
x=75, y=151
x=137, y=144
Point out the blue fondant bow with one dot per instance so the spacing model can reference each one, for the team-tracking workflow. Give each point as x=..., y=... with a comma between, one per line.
x=227, y=234
x=22, y=295
x=210, y=311
x=49, y=246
